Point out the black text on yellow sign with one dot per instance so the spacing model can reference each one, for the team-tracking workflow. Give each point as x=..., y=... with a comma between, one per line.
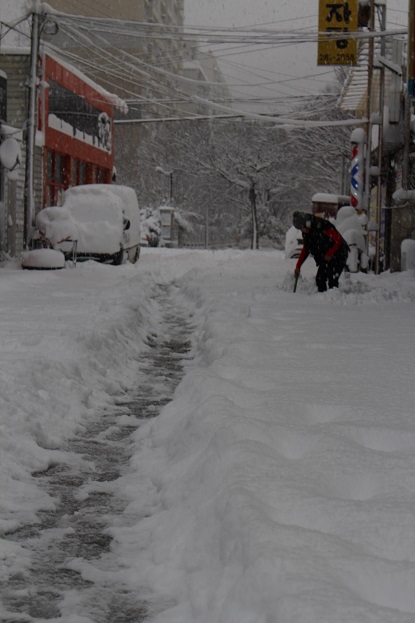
x=337, y=19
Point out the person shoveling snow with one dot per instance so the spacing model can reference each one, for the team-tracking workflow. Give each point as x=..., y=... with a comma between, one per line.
x=326, y=245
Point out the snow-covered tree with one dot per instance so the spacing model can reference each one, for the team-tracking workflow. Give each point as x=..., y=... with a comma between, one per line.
x=246, y=177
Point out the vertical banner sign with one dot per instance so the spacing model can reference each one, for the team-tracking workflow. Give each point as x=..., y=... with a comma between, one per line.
x=337, y=18
x=411, y=49
x=357, y=141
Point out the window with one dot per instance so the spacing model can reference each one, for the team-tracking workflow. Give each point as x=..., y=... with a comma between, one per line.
x=57, y=171
x=82, y=173
x=73, y=109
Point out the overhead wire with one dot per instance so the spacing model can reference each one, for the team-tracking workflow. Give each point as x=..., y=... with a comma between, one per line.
x=159, y=71
x=251, y=38
x=162, y=79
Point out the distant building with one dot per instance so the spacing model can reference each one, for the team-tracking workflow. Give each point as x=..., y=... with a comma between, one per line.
x=209, y=82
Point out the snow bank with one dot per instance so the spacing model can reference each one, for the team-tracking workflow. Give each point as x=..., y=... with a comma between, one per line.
x=70, y=345
x=274, y=488
x=278, y=486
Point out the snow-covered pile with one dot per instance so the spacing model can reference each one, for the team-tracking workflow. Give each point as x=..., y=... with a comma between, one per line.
x=43, y=259
x=293, y=242
x=150, y=224
x=279, y=484
x=351, y=225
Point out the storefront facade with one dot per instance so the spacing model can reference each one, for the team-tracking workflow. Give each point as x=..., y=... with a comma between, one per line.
x=74, y=138
x=77, y=121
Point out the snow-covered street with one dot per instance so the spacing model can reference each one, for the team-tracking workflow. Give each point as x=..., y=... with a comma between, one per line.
x=277, y=484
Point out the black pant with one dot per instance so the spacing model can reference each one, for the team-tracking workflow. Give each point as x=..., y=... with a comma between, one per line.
x=330, y=272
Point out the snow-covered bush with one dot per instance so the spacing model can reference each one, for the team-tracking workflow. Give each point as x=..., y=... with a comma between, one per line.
x=350, y=224
x=150, y=224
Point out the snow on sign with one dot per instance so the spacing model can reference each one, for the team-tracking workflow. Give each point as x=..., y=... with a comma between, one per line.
x=337, y=19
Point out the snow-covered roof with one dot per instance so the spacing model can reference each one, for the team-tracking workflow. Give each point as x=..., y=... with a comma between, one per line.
x=9, y=130
x=353, y=97
x=353, y=94
x=114, y=99
x=328, y=198
x=18, y=51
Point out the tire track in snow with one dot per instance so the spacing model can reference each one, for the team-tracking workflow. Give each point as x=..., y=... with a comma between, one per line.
x=75, y=530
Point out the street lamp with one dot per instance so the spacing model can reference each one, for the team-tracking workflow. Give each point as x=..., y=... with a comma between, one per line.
x=168, y=174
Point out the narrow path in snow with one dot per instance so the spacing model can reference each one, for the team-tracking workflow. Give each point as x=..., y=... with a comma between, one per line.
x=86, y=505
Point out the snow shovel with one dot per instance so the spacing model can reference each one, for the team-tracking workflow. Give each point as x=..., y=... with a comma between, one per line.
x=295, y=283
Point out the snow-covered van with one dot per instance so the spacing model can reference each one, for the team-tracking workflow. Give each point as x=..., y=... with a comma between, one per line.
x=105, y=222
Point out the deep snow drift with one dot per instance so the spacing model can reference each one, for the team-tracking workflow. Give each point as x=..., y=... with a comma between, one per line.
x=279, y=484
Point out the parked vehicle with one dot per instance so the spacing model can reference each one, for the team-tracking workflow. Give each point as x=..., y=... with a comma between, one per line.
x=102, y=219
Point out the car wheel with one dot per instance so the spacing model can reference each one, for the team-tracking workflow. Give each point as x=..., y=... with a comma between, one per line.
x=135, y=254
x=118, y=258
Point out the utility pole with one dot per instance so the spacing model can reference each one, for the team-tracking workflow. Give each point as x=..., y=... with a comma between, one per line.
x=381, y=104
x=411, y=48
x=31, y=127
x=410, y=92
x=375, y=120
x=369, y=108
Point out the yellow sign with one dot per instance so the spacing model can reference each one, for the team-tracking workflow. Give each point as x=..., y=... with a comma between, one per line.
x=335, y=19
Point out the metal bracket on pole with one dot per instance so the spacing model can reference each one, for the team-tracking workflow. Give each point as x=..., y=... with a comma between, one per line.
x=380, y=62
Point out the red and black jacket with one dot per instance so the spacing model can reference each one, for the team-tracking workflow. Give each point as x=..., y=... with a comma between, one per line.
x=323, y=239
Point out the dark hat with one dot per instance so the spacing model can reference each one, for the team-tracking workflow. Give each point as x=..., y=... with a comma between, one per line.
x=301, y=219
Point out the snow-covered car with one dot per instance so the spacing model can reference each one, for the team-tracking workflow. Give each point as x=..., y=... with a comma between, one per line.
x=103, y=219
x=293, y=242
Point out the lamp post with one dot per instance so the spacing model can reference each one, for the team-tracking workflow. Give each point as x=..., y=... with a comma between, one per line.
x=168, y=174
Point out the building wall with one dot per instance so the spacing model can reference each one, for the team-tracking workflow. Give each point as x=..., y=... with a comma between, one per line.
x=76, y=151
x=16, y=67
x=159, y=51
x=15, y=64
x=402, y=228
x=203, y=67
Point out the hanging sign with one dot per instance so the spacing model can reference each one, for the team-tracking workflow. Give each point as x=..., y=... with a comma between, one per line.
x=357, y=164
x=337, y=18
x=3, y=97
x=411, y=50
